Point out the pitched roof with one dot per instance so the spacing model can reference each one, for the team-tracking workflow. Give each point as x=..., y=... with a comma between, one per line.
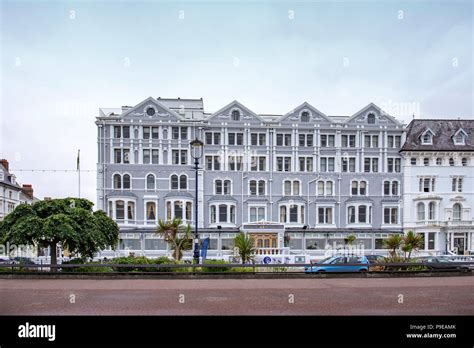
x=444, y=130
x=7, y=178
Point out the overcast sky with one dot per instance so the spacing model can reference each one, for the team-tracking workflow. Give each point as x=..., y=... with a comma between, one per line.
x=61, y=61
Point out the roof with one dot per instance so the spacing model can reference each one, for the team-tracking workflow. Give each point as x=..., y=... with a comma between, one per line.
x=8, y=179
x=444, y=130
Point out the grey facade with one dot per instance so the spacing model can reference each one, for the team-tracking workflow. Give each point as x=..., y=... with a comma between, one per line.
x=298, y=181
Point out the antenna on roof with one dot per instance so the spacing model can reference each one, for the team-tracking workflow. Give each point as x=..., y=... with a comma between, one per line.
x=413, y=116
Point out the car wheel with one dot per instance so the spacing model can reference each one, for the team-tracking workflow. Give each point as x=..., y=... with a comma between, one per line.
x=363, y=270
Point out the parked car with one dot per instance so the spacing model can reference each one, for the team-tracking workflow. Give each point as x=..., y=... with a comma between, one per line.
x=22, y=260
x=3, y=261
x=375, y=258
x=341, y=264
x=433, y=262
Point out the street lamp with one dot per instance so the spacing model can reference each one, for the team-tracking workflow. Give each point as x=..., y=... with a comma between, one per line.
x=196, y=153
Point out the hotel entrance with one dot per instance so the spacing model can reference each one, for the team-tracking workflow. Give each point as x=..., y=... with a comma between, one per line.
x=459, y=243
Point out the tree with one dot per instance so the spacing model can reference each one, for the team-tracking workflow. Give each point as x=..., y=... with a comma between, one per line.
x=393, y=243
x=67, y=221
x=412, y=242
x=177, y=236
x=350, y=239
x=246, y=246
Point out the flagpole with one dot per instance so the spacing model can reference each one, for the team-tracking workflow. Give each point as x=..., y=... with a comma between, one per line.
x=79, y=172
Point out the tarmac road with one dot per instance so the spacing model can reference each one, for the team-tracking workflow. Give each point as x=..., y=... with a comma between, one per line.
x=349, y=296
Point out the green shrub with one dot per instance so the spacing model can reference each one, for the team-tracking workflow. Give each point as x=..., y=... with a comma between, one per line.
x=216, y=269
x=129, y=260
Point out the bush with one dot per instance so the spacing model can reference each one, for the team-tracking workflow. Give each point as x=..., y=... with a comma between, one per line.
x=89, y=269
x=216, y=269
x=129, y=260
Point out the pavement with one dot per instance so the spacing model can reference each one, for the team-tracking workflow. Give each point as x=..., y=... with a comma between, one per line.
x=349, y=296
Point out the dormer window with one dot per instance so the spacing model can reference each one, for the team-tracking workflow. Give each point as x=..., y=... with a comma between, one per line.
x=235, y=115
x=305, y=116
x=459, y=137
x=371, y=119
x=427, y=137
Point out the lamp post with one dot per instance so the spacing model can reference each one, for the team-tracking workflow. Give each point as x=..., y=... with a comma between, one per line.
x=196, y=153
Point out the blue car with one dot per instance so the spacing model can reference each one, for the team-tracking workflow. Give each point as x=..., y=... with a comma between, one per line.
x=341, y=264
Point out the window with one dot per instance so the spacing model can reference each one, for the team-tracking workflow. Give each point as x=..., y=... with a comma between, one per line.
x=180, y=156
x=236, y=138
x=183, y=182
x=394, y=141
x=222, y=187
x=390, y=216
x=283, y=139
x=292, y=213
x=222, y=213
x=258, y=163
x=413, y=161
x=130, y=211
x=439, y=161
x=327, y=164
x=464, y=161
x=306, y=140
x=456, y=185
x=431, y=210
x=258, y=139
x=235, y=115
x=327, y=140
x=236, y=162
x=126, y=181
x=348, y=140
x=150, y=182
x=420, y=211
x=348, y=165
x=122, y=155
x=451, y=162
x=213, y=138
x=283, y=164
x=394, y=165
x=305, y=116
x=120, y=210
x=257, y=214
x=174, y=182
x=154, y=156
x=459, y=138
x=359, y=214
x=147, y=158
x=213, y=163
x=146, y=132
x=154, y=132
x=371, y=165
x=371, y=119
x=395, y=188
x=305, y=164
x=457, y=212
x=179, y=210
x=325, y=215
x=117, y=132
x=257, y=187
x=431, y=240
x=184, y=133
x=150, y=111
x=426, y=161
x=427, y=184
x=126, y=132
x=325, y=188
x=175, y=133
x=291, y=188
x=117, y=181
x=371, y=141
x=427, y=139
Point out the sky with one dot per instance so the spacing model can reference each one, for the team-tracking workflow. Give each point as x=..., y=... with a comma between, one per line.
x=62, y=60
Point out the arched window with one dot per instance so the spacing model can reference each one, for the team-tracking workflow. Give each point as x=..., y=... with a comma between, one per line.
x=439, y=161
x=120, y=210
x=235, y=115
x=420, y=208
x=174, y=182
x=395, y=188
x=320, y=188
x=150, y=211
x=386, y=188
x=371, y=119
x=431, y=210
x=287, y=185
x=363, y=188
x=355, y=187
x=183, y=182
x=457, y=209
x=117, y=181
x=283, y=213
x=213, y=214
x=261, y=188
x=126, y=181
x=227, y=187
x=329, y=188
x=464, y=161
x=351, y=217
x=296, y=188
x=253, y=187
x=451, y=162
x=131, y=211
x=218, y=187
x=305, y=116
x=150, y=182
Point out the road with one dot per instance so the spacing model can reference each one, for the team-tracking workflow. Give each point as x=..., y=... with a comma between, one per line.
x=349, y=296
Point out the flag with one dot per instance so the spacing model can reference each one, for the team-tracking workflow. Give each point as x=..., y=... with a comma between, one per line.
x=78, y=161
x=204, y=247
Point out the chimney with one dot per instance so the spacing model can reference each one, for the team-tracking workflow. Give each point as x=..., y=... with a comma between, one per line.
x=28, y=190
x=4, y=162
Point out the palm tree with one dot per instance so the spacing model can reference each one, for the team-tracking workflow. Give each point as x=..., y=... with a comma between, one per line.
x=246, y=246
x=393, y=243
x=412, y=242
x=177, y=236
x=350, y=239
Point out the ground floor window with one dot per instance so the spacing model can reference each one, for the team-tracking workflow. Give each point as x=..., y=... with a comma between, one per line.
x=130, y=244
x=155, y=244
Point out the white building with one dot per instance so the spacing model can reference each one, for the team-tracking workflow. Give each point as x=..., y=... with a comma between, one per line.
x=438, y=184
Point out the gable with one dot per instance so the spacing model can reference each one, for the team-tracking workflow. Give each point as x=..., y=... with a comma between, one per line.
x=381, y=117
x=225, y=114
x=160, y=111
x=315, y=116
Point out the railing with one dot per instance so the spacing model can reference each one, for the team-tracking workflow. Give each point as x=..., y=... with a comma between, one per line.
x=445, y=223
x=272, y=251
